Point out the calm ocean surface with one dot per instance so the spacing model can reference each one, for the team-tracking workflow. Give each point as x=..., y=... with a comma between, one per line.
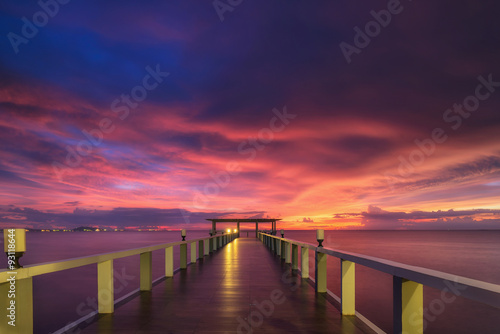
x=65, y=296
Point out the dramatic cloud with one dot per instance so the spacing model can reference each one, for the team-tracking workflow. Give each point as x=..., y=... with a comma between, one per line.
x=377, y=218
x=118, y=109
x=115, y=218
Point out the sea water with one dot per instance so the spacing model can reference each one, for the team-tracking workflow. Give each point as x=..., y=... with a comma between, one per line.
x=65, y=296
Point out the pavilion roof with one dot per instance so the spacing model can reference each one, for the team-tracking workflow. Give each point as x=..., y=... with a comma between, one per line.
x=243, y=220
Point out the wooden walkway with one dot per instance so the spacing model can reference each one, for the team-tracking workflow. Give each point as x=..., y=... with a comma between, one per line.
x=242, y=288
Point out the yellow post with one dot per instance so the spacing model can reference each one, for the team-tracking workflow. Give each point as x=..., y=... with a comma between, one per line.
x=183, y=263
x=287, y=253
x=201, y=249
x=14, y=240
x=320, y=270
x=408, y=306
x=105, y=289
x=305, y=262
x=207, y=247
x=214, y=244
x=16, y=318
x=169, y=261
x=348, y=288
x=193, y=252
x=295, y=256
x=146, y=271
x=278, y=247
x=283, y=249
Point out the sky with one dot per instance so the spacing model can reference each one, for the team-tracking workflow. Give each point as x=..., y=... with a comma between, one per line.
x=324, y=114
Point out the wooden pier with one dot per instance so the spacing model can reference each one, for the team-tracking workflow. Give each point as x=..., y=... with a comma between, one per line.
x=242, y=288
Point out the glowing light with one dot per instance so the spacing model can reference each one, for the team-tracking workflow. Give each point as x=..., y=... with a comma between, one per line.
x=228, y=230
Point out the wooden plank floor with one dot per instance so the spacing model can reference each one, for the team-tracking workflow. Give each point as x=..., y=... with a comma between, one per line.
x=242, y=288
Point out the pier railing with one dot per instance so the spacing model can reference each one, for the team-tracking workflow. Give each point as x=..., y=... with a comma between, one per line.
x=20, y=283
x=408, y=281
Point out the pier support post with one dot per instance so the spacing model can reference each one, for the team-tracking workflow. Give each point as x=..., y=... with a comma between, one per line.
x=320, y=270
x=201, y=249
x=146, y=271
x=169, y=261
x=256, y=229
x=183, y=249
x=278, y=247
x=283, y=249
x=238, y=229
x=304, y=268
x=408, y=306
x=214, y=244
x=23, y=307
x=193, y=252
x=295, y=257
x=105, y=288
x=348, y=288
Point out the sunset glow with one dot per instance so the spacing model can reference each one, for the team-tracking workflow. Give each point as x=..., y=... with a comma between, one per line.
x=124, y=114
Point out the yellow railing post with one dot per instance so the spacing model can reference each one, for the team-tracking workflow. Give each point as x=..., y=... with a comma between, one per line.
x=214, y=244
x=206, y=245
x=183, y=251
x=17, y=319
x=201, y=249
x=304, y=268
x=320, y=270
x=348, y=288
x=283, y=249
x=287, y=253
x=169, y=261
x=146, y=271
x=408, y=306
x=295, y=256
x=105, y=288
x=193, y=252
x=278, y=247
